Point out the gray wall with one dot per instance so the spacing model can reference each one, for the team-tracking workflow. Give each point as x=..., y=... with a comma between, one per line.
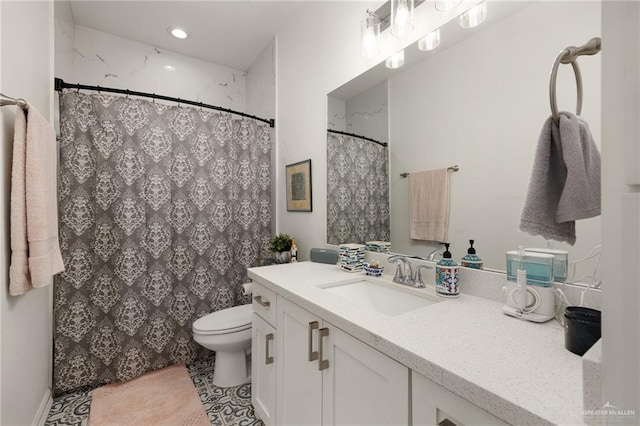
x=25, y=335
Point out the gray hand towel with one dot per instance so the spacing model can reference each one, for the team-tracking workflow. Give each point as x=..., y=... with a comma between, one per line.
x=565, y=180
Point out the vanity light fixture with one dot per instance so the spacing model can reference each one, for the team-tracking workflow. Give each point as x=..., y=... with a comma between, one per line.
x=370, y=33
x=474, y=16
x=446, y=5
x=401, y=17
x=178, y=32
x=430, y=42
x=395, y=61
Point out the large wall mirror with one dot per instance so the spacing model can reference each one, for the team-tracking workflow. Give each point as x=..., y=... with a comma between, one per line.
x=478, y=101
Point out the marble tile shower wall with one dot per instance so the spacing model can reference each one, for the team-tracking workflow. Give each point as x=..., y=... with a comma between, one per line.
x=104, y=59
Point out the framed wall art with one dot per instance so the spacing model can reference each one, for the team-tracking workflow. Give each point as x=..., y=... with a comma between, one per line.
x=299, y=187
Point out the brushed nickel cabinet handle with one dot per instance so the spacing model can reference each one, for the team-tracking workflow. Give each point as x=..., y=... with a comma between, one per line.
x=313, y=355
x=323, y=364
x=267, y=359
x=264, y=303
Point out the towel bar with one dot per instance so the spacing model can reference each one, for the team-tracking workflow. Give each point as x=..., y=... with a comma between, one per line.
x=450, y=168
x=8, y=100
x=570, y=55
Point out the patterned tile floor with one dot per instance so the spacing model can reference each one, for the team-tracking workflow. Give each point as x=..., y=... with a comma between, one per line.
x=224, y=406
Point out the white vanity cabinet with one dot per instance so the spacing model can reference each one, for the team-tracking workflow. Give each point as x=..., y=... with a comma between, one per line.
x=263, y=354
x=325, y=376
x=299, y=382
x=433, y=405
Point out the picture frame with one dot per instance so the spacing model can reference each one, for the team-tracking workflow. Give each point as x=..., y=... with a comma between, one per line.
x=298, y=176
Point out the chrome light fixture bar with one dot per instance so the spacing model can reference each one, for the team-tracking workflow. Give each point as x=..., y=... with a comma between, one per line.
x=384, y=13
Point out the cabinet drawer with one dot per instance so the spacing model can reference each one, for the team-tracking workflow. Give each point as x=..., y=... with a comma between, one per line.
x=264, y=303
x=433, y=405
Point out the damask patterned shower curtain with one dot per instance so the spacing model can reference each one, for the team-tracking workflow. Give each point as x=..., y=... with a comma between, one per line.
x=162, y=209
x=357, y=190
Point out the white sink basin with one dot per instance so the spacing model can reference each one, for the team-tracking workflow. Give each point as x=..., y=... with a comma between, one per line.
x=382, y=298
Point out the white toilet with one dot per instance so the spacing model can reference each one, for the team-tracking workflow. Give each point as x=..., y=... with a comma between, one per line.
x=228, y=333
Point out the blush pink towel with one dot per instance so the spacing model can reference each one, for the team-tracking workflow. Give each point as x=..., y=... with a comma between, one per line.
x=35, y=250
x=429, y=205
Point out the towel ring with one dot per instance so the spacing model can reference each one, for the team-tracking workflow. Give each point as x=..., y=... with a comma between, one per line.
x=554, y=79
x=570, y=56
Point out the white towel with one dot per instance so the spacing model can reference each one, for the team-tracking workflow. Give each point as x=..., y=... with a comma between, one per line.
x=35, y=250
x=565, y=180
x=429, y=205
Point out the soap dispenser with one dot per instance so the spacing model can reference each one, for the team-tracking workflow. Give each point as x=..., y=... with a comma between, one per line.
x=471, y=259
x=447, y=275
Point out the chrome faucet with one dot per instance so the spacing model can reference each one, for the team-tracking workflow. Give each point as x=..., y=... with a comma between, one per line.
x=403, y=271
x=404, y=274
x=433, y=254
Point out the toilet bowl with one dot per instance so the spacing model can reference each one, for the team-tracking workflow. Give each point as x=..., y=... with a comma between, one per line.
x=228, y=333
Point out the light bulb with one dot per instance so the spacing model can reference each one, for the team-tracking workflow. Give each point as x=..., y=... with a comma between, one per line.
x=430, y=42
x=370, y=32
x=474, y=16
x=402, y=19
x=395, y=61
x=370, y=45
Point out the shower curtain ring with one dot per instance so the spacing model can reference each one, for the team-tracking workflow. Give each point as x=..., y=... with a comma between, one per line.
x=153, y=99
x=77, y=87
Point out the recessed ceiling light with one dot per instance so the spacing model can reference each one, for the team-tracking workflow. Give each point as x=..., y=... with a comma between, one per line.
x=169, y=68
x=177, y=32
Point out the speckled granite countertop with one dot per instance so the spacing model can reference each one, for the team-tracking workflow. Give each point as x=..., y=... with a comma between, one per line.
x=516, y=370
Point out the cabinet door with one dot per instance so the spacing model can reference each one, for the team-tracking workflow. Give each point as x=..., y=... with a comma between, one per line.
x=299, y=382
x=361, y=386
x=434, y=405
x=263, y=370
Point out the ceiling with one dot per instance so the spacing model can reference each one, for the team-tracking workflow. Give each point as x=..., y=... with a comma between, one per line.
x=231, y=33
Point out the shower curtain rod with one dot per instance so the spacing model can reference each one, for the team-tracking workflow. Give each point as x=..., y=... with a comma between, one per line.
x=357, y=136
x=61, y=84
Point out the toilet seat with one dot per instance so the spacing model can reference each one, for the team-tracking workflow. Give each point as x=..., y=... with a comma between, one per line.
x=226, y=321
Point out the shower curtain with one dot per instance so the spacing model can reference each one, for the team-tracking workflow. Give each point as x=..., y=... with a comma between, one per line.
x=162, y=209
x=357, y=190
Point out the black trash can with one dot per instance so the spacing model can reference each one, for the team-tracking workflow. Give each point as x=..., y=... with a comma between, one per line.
x=583, y=327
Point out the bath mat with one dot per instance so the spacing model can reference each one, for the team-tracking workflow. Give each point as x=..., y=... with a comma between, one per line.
x=162, y=397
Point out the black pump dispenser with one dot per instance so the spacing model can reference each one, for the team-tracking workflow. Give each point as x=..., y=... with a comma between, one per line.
x=447, y=253
x=471, y=250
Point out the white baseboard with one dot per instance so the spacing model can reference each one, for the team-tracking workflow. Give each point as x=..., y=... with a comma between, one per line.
x=43, y=410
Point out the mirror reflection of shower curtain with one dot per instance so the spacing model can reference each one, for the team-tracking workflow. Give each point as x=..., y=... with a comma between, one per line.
x=357, y=190
x=162, y=209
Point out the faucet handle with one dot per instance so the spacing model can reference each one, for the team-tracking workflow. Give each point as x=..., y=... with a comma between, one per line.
x=417, y=279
